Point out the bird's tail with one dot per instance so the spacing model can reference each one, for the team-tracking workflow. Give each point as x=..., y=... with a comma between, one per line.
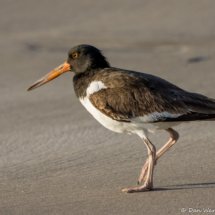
x=201, y=107
x=213, y=119
x=198, y=107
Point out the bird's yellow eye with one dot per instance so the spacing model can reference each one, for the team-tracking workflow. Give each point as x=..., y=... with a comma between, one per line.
x=74, y=55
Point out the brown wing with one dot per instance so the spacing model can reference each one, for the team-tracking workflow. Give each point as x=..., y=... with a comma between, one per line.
x=130, y=94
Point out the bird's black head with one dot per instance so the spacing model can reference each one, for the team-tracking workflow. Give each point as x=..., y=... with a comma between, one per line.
x=85, y=57
x=82, y=58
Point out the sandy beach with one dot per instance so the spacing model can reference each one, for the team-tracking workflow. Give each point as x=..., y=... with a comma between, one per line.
x=55, y=158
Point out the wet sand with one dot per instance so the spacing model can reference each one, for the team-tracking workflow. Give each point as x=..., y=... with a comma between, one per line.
x=54, y=157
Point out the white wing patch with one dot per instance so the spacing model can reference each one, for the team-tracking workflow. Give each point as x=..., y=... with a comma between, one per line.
x=154, y=117
x=95, y=87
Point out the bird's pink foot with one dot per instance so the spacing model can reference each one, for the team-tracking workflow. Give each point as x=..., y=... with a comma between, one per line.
x=138, y=189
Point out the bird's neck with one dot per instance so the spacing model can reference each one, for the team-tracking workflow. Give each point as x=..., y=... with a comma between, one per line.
x=82, y=80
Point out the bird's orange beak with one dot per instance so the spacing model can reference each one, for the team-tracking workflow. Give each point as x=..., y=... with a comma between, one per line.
x=65, y=67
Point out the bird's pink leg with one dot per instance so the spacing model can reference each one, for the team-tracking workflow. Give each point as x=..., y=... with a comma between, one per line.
x=173, y=139
x=148, y=185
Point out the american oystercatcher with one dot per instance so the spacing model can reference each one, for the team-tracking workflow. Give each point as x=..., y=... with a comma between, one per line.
x=131, y=102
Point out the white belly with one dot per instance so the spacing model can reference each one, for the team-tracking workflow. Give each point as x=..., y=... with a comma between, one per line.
x=134, y=127
x=120, y=127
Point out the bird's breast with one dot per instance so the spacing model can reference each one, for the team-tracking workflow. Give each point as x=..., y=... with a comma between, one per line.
x=103, y=119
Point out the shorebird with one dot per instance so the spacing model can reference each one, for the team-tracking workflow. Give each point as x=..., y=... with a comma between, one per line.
x=126, y=101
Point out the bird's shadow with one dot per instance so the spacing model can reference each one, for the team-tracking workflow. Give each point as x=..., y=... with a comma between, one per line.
x=186, y=186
